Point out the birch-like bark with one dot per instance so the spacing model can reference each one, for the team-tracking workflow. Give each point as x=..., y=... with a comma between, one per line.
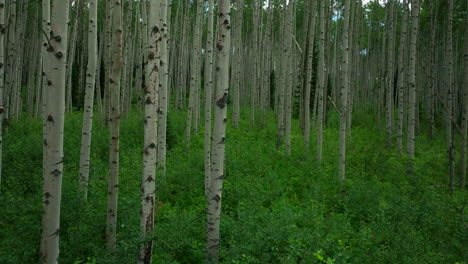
x=194, y=78
x=53, y=131
x=148, y=186
x=309, y=72
x=321, y=80
x=402, y=76
x=464, y=138
x=288, y=71
x=2, y=77
x=89, y=98
x=450, y=103
x=208, y=94
x=389, y=79
x=114, y=123
x=163, y=87
x=223, y=50
x=412, y=83
x=237, y=61
x=345, y=85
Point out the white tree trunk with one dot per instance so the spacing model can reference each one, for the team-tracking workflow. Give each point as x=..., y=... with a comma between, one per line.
x=412, y=83
x=163, y=88
x=223, y=50
x=89, y=98
x=150, y=125
x=114, y=121
x=208, y=94
x=53, y=131
x=345, y=86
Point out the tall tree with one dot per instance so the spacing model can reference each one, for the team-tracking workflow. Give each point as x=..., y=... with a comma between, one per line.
x=208, y=94
x=321, y=80
x=89, y=97
x=114, y=120
x=309, y=71
x=2, y=76
x=163, y=87
x=412, y=83
x=148, y=186
x=462, y=182
x=450, y=103
x=223, y=50
x=345, y=86
x=402, y=76
x=54, y=72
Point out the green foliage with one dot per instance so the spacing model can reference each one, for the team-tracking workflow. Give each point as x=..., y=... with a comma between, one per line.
x=276, y=208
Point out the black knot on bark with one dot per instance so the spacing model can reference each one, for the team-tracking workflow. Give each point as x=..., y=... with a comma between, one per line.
x=226, y=22
x=59, y=55
x=148, y=100
x=219, y=46
x=49, y=82
x=58, y=38
x=155, y=29
x=221, y=103
x=2, y=5
x=50, y=118
x=217, y=198
x=1, y=65
x=56, y=173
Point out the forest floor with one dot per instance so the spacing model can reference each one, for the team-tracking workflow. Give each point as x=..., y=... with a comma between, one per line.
x=276, y=208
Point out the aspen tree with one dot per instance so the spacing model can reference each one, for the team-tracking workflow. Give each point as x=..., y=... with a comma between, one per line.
x=237, y=61
x=54, y=116
x=412, y=83
x=89, y=98
x=223, y=50
x=309, y=72
x=288, y=71
x=321, y=80
x=148, y=186
x=462, y=181
x=255, y=49
x=194, y=79
x=163, y=87
x=450, y=103
x=389, y=79
x=345, y=85
x=2, y=76
x=208, y=94
x=402, y=76
x=114, y=122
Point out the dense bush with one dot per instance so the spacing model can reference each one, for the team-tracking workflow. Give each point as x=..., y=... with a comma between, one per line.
x=276, y=208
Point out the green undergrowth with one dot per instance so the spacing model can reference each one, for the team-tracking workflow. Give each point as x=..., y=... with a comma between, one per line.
x=277, y=208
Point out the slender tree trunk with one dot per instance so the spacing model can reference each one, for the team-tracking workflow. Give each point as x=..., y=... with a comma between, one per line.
x=114, y=121
x=345, y=85
x=89, y=98
x=219, y=133
x=163, y=88
x=464, y=138
x=401, y=76
x=208, y=94
x=194, y=77
x=321, y=80
x=288, y=71
x=150, y=125
x=237, y=60
x=53, y=131
x=2, y=77
x=412, y=83
x=389, y=79
x=450, y=103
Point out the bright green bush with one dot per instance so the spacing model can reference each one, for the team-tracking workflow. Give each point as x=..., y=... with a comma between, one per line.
x=276, y=208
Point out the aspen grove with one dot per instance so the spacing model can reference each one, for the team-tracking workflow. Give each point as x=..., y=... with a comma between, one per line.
x=233, y=131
